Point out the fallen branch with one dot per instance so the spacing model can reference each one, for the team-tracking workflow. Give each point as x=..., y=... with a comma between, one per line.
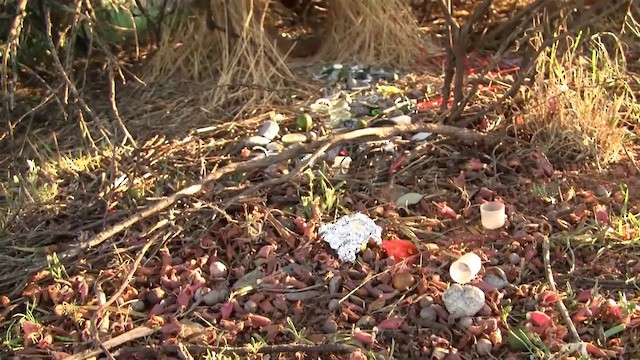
x=130, y=335
x=561, y=307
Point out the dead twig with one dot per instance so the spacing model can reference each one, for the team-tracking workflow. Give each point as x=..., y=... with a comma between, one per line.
x=130, y=335
x=552, y=284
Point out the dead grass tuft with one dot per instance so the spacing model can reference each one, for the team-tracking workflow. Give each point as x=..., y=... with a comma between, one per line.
x=382, y=32
x=241, y=66
x=582, y=101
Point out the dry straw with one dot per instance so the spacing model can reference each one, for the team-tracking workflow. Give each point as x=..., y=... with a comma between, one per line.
x=381, y=32
x=242, y=64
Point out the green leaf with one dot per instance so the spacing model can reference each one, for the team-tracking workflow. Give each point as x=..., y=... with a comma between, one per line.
x=612, y=331
x=518, y=340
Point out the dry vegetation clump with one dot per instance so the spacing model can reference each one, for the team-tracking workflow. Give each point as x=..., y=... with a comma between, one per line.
x=240, y=61
x=580, y=101
x=383, y=32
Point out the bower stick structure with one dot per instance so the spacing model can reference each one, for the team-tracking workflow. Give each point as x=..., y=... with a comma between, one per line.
x=380, y=32
x=226, y=46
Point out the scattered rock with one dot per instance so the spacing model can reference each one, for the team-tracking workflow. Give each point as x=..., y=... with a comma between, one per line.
x=256, y=141
x=250, y=306
x=463, y=300
x=483, y=347
x=335, y=284
x=495, y=281
x=289, y=139
x=269, y=130
x=429, y=314
x=218, y=270
x=330, y=326
x=465, y=322
x=401, y=120
x=403, y=281
x=155, y=295
x=216, y=296
x=602, y=191
x=137, y=305
x=366, y=321
x=334, y=305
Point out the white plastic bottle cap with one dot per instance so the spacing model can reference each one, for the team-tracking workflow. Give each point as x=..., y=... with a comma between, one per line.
x=492, y=215
x=465, y=268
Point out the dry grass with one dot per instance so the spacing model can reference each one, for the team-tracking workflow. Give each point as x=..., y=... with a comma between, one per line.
x=586, y=100
x=242, y=66
x=382, y=32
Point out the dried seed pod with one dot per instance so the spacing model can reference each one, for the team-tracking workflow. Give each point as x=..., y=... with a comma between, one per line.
x=403, y=281
x=483, y=347
x=155, y=295
x=218, y=270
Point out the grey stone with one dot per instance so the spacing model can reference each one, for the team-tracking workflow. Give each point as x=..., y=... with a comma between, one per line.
x=463, y=300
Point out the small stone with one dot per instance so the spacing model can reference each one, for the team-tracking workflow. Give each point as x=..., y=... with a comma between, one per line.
x=439, y=353
x=155, y=295
x=334, y=305
x=602, y=191
x=514, y=259
x=495, y=281
x=429, y=314
x=216, y=296
x=330, y=326
x=483, y=347
x=200, y=293
x=218, y=270
x=366, y=321
x=250, y=306
x=368, y=255
x=269, y=129
x=465, y=322
x=137, y=305
x=335, y=284
x=256, y=141
x=293, y=138
x=426, y=301
x=463, y=300
x=403, y=281
x=274, y=147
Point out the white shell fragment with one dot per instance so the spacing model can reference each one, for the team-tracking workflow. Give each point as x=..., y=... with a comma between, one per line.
x=349, y=234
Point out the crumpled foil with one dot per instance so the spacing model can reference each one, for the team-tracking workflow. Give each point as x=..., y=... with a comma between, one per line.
x=349, y=234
